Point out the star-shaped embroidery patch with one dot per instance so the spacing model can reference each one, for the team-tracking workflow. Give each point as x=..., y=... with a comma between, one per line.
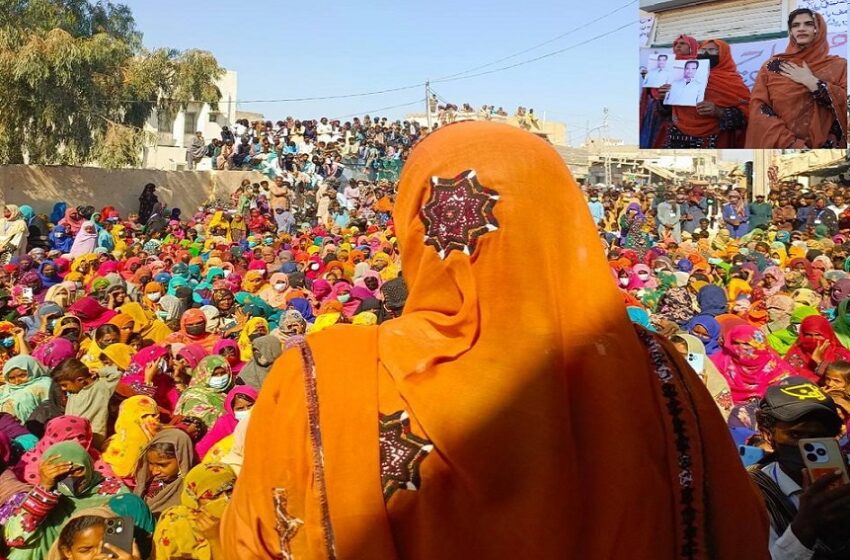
x=402, y=453
x=459, y=211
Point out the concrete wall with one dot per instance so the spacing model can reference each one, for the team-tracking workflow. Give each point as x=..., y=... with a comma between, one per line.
x=42, y=186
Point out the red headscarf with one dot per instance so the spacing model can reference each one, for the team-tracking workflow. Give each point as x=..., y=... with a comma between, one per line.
x=800, y=355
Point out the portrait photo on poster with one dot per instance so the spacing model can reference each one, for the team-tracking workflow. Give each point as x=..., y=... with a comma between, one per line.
x=687, y=88
x=658, y=68
x=764, y=74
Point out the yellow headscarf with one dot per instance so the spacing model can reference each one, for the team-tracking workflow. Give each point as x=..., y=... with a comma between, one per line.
x=246, y=352
x=137, y=423
x=218, y=220
x=178, y=534
x=120, y=354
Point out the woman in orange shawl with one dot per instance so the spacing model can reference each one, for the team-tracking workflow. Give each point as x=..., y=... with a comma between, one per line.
x=800, y=96
x=390, y=451
x=720, y=121
x=654, y=120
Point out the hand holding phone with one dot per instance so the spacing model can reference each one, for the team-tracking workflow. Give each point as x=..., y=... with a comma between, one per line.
x=823, y=457
x=119, y=534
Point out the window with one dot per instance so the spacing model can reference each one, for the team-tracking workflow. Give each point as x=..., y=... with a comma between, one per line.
x=191, y=123
x=165, y=123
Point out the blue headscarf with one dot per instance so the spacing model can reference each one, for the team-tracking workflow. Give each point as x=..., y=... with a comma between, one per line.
x=58, y=212
x=639, y=316
x=712, y=300
x=62, y=244
x=303, y=306
x=710, y=324
x=48, y=281
x=27, y=212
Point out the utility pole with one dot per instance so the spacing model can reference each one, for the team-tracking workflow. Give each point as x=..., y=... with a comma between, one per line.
x=428, y=104
x=604, y=139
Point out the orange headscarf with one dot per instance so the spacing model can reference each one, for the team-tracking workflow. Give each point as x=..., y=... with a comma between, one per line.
x=783, y=113
x=512, y=437
x=725, y=88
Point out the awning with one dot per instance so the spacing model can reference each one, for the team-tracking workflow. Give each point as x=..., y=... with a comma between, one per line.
x=660, y=171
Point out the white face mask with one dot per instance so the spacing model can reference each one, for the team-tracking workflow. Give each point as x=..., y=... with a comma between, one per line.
x=219, y=381
x=154, y=296
x=280, y=286
x=226, y=273
x=242, y=414
x=624, y=282
x=777, y=261
x=643, y=276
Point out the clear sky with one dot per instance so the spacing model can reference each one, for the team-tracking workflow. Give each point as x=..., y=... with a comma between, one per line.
x=308, y=49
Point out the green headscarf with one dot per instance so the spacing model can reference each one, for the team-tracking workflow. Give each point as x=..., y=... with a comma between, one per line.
x=201, y=400
x=841, y=324
x=783, y=339
x=21, y=400
x=86, y=495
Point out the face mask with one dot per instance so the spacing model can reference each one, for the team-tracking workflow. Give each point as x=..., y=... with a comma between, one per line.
x=162, y=314
x=280, y=287
x=268, y=241
x=242, y=414
x=50, y=325
x=196, y=330
x=154, y=296
x=219, y=381
x=593, y=199
x=252, y=244
x=643, y=276
x=314, y=266
x=713, y=59
x=8, y=342
x=226, y=273
x=59, y=235
x=255, y=336
x=777, y=261
x=624, y=282
x=790, y=459
x=343, y=298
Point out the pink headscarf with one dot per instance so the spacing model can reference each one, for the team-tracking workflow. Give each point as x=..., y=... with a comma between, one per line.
x=59, y=429
x=752, y=367
x=225, y=424
x=166, y=394
x=360, y=282
x=54, y=351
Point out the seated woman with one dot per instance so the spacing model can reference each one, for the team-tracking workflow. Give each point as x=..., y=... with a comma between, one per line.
x=162, y=469
x=137, y=424
x=191, y=529
x=67, y=483
x=238, y=404
x=204, y=397
x=815, y=349
x=799, y=99
x=63, y=428
x=27, y=386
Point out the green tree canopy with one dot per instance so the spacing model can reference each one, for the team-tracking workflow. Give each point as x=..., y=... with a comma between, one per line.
x=76, y=85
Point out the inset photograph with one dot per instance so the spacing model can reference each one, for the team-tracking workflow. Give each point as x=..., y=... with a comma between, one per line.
x=743, y=74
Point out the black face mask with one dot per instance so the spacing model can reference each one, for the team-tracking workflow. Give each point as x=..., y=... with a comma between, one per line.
x=195, y=330
x=713, y=59
x=791, y=461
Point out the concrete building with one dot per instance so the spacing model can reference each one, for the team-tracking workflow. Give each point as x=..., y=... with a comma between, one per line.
x=171, y=134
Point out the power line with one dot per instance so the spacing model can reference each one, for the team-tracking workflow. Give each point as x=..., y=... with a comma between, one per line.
x=357, y=114
x=541, y=57
x=544, y=43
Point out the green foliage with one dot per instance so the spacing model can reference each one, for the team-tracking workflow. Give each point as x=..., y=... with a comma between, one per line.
x=78, y=86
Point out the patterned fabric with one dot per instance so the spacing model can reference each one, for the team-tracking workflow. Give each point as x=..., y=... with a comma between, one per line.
x=62, y=428
x=137, y=423
x=458, y=213
x=287, y=525
x=201, y=400
x=178, y=534
x=402, y=453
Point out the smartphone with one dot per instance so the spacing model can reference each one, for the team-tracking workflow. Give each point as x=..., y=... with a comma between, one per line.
x=750, y=455
x=119, y=533
x=823, y=457
x=68, y=482
x=697, y=361
x=27, y=294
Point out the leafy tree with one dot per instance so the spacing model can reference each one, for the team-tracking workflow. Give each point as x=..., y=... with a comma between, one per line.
x=77, y=86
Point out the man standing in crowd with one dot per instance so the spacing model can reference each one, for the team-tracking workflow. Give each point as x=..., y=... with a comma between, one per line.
x=761, y=213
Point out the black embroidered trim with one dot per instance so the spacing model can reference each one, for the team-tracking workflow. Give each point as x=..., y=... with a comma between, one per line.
x=679, y=140
x=821, y=94
x=774, y=65
x=767, y=110
x=664, y=372
x=732, y=118
x=402, y=453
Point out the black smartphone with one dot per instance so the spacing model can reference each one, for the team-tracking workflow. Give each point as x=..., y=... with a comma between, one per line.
x=119, y=533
